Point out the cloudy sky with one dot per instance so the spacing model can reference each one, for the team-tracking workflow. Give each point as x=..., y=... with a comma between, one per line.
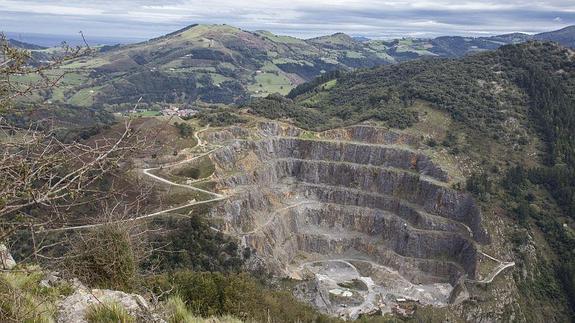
x=142, y=19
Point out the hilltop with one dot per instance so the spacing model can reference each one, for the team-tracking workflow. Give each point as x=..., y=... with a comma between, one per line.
x=24, y=45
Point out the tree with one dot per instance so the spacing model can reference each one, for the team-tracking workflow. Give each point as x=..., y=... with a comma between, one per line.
x=43, y=177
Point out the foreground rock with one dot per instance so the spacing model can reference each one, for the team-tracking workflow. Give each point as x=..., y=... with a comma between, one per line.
x=73, y=308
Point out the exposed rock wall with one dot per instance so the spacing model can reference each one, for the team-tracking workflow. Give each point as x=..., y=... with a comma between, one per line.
x=227, y=134
x=372, y=197
x=369, y=134
x=365, y=154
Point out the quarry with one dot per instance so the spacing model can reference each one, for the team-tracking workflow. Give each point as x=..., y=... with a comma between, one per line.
x=359, y=215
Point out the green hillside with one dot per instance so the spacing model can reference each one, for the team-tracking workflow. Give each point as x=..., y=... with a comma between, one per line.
x=207, y=63
x=222, y=64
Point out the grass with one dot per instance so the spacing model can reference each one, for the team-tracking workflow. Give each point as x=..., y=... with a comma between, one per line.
x=267, y=83
x=281, y=39
x=22, y=299
x=58, y=95
x=72, y=78
x=316, y=98
x=218, y=78
x=200, y=30
x=285, y=60
x=385, y=56
x=84, y=97
x=176, y=312
x=353, y=54
x=85, y=62
x=147, y=113
x=108, y=313
x=194, y=69
x=308, y=135
x=201, y=168
x=329, y=85
x=180, y=195
x=29, y=78
x=432, y=122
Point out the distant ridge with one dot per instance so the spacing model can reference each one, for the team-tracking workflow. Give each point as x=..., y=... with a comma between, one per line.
x=564, y=36
x=361, y=38
x=23, y=45
x=227, y=65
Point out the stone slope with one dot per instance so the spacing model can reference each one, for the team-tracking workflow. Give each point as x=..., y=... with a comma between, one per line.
x=360, y=193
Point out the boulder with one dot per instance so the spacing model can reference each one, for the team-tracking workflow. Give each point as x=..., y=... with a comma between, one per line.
x=6, y=260
x=73, y=308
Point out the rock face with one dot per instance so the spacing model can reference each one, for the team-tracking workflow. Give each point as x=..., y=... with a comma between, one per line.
x=359, y=193
x=73, y=308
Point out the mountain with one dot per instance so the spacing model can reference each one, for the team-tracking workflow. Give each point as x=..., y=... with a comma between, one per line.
x=456, y=46
x=565, y=36
x=23, y=45
x=221, y=64
x=209, y=63
x=431, y=190
x=361, y=38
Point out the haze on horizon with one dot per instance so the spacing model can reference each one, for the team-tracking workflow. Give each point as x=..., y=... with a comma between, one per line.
x=132, y=20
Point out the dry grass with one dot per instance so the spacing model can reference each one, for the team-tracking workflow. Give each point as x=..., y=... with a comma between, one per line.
x=108, y=313
x=176, y=312
x=22, y=299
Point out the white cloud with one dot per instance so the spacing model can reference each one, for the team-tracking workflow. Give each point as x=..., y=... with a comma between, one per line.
x=379, y=18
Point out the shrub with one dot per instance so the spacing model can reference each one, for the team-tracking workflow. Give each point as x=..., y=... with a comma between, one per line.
x=219, y=118
x=479, y=184
x=108, y=313
x=184, y=129
x=177, y=312
x=195, y=246
x=105, y=257
x=209, y=294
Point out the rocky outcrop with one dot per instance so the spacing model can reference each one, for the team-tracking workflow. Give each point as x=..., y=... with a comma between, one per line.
x=225, y=135
x=331, y=151
x=369, y=134
x=73, y=308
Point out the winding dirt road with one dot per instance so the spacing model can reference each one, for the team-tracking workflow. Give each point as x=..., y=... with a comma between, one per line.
x=496, y=271
x=147, y=172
